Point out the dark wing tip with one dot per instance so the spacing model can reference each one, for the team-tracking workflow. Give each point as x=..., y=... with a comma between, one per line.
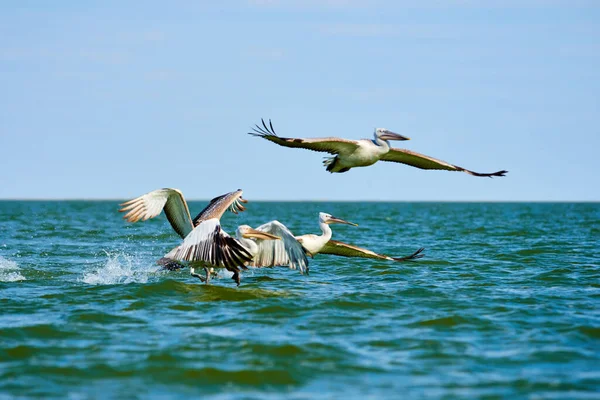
x=490, y=175
x=264, y=130
x=417, y=254
x=497, y=173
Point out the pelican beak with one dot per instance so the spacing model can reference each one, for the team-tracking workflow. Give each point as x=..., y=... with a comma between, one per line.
x=336, y=220
x=253, y=233
x=388, y=135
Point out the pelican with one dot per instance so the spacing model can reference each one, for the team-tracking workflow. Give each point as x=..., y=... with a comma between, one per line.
x=269, y=253
x=362, y=153
x=265, y=251
x=315, y=244
x=205, y=244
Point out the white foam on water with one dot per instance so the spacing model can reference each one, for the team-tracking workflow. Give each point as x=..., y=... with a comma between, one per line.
x=120, y=268
x=9, y=271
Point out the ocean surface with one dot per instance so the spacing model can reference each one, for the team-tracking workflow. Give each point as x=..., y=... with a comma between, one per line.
x=505, y=304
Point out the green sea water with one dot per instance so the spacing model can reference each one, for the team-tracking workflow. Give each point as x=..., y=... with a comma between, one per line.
x=505, y=304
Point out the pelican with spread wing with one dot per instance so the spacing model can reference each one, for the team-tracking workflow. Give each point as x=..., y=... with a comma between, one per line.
x=251, y=247
x=349, y=154
x=322, y=244
x=270, y=253
x=205, y=244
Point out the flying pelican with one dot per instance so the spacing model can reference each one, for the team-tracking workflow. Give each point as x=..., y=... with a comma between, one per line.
x=362, y=153
x=205, y=244
x=315, y=244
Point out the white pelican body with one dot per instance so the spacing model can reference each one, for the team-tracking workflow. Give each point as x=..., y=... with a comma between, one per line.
x=350, y=154
x=367, y=152
x=205, y=244
x=315, y=243
x=323, y=244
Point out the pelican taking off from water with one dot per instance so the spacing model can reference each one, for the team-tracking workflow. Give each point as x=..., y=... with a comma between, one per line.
x=362, y=153
x=205, y=243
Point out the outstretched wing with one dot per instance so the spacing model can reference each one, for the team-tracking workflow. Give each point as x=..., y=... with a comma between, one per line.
x=425, y=162
x=287, y=251
x=217, y=206
x=347, y=250
x=210, y=244
x=330, y=145
x=151, y=204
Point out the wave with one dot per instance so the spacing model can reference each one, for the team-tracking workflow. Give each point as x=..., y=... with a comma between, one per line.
x=121, y=268
x=9, y=271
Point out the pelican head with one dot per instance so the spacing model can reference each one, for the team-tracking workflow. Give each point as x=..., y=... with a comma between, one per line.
x=384, y=134
x=247, y=232
x=330, y=219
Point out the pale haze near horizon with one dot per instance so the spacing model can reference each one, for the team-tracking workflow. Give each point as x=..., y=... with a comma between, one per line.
x=113, y=99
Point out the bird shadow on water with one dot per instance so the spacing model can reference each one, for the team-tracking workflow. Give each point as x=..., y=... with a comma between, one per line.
x=205, y=293
x=217, y=291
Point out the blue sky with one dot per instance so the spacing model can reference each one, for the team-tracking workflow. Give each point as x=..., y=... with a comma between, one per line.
x=113, y=99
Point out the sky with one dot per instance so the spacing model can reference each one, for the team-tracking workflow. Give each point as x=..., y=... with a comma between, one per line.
x=111, y=99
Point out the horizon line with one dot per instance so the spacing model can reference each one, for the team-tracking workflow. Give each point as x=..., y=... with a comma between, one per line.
x=316, y=200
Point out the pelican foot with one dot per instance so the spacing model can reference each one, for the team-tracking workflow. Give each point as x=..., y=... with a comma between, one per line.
x=207, y=271
x=236, y=277
x=193, y=273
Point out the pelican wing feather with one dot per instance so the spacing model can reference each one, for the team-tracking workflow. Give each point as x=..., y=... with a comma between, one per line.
x=330, y=145
x=287, y=251
x=217, y=206
x=425, y=162
x=151, y=204
x=209, y=244
x=347, y=250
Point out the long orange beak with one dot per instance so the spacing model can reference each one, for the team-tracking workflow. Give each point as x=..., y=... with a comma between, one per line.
x=388, y=135
x=336, y=220
x=253, y=233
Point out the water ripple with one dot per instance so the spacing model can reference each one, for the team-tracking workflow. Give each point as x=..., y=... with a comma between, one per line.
x=504, y=305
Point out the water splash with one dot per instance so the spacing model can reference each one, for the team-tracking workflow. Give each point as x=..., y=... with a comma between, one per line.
x=9, y=271
x=121, y=268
